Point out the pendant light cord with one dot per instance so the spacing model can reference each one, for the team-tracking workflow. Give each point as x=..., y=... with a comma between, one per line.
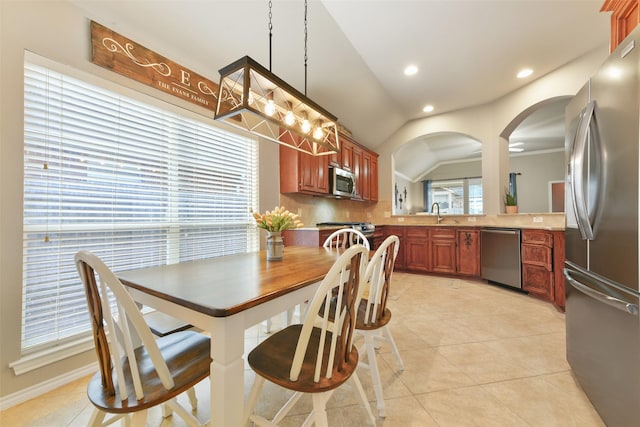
x=270, y=32
x=306, y=57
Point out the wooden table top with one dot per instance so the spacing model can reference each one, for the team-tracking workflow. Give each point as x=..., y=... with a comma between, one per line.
x=226, y=285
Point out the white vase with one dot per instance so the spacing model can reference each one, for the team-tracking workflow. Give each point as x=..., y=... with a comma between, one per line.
x=275, y=246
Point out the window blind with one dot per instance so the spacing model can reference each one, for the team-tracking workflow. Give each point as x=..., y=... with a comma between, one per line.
x=134, y=184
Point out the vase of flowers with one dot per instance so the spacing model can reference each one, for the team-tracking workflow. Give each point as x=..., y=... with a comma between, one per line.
x=275, y=222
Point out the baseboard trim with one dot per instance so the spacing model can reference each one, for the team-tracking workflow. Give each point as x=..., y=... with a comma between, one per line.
x=46, y=386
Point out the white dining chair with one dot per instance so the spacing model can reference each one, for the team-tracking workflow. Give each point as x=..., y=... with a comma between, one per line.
x=314, y=357
x=137, y=371
x=343, y=238
x=372, y=320
x=346, y=237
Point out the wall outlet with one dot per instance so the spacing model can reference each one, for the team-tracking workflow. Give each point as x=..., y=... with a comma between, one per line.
x=471, y=219
x=348, y=214
x=538, y=219
x=300, y=212
x=368, y=214
x=387, y=214
x=400, y=219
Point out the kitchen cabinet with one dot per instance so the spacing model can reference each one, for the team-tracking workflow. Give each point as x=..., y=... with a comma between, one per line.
x=443, y=250
x=468, y=252
x=362, y=163
x=307, y=174
x=307, y=237
x=379, y=234
x=625, y=16
x=542, y=264
x=559, y=257
x=369, y=176
x=393, y=230
x=303, y=173
x=417, y=250
x=448, y=250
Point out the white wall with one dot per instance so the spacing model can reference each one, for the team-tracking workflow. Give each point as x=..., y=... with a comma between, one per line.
x=533, y=184
x=58, y=31
x=491, y=124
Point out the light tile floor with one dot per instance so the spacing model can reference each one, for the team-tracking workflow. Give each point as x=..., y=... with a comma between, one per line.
x=474, y=354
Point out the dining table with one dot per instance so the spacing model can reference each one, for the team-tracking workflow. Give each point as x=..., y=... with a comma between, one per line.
x=224, y=296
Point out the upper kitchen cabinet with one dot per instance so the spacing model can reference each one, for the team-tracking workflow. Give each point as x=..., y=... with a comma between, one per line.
x=303, y=173
x=364, y=165
x=625, y=17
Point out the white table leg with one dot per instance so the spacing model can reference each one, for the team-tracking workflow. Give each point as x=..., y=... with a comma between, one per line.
x=227, y=371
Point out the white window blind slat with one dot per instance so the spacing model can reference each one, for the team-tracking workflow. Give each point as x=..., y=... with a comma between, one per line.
x=137, y=185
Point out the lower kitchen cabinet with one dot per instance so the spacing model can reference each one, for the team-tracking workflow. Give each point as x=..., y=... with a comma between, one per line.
x=542, y=264
x=468, y=252
x=417, y=249
x=447, y=250
x=443, y=250
x=392, y=230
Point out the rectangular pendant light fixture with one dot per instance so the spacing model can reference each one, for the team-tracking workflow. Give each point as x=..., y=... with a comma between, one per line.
x=254, y=99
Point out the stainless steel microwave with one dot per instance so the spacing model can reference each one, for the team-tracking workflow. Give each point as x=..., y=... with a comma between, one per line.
x=342, y=183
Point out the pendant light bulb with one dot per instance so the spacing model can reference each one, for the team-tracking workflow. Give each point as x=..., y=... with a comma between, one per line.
x=317, y=132
x=270, y=108
x=305, y=126
x=289, y=118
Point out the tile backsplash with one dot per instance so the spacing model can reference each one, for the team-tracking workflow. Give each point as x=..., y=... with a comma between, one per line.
x=320, y=209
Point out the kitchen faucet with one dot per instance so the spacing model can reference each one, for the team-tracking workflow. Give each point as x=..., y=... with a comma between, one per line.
x=439, y=218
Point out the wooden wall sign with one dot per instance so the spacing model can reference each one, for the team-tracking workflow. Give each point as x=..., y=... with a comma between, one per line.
x=126, y=57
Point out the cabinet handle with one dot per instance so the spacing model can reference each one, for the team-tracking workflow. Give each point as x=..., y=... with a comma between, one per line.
x=467, y=239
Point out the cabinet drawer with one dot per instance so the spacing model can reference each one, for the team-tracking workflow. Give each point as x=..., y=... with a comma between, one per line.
x=538, y=281
x=419, y=232
x=537, y=255
x=537, y=237
x=443, y=233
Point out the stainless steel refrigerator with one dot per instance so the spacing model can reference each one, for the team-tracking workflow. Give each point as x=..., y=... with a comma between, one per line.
x=601, y=270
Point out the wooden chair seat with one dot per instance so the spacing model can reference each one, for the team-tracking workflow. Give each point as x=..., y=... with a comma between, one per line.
x=360, y=323
x=272, y=360
x=177, y=349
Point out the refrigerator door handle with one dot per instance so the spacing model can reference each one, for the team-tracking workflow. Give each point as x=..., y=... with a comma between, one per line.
x=578, y=164
x=599, y=296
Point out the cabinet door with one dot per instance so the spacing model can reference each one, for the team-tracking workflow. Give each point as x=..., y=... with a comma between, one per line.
x=313, y=173
x=346, y=154
x=365, y=175
x=373, y=178
x=468, y=252
x=558, y=266
x=537, y=255
x=392, y=230
x=537, y=280
x=417, y=249
x=624, y=18
x=358, y=171
x=443, y=250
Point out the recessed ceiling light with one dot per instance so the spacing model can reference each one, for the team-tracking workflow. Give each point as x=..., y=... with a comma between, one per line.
x=428, y=108
x=526, y=72
x=410, y=70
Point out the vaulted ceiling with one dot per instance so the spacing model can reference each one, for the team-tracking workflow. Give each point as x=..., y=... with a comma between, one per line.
x=467, y=51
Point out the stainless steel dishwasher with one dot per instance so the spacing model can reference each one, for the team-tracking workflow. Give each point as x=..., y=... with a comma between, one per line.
x=500, y=256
